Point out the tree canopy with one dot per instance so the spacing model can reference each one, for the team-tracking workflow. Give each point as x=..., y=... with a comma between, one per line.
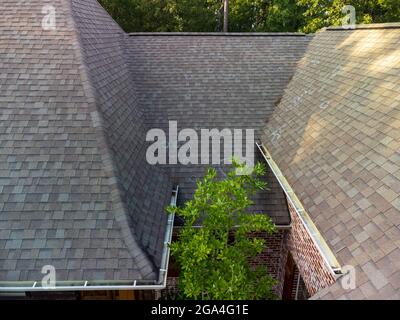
x=323, y=13
x=245, y=15
x=215, y=260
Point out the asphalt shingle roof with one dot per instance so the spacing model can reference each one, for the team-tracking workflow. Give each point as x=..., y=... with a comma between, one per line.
x=72, y=176
x=206, y=81
x=144, y=190
x=338, y=146
x=76, y=190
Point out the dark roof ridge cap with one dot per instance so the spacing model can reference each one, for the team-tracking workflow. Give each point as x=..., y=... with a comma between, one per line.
x=220, y=34
x=372, y=26
x=109, y=168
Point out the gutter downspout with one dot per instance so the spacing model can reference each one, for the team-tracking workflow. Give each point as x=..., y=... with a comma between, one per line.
x=297, y=287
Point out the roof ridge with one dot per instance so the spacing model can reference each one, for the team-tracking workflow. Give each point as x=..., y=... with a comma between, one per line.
x=220, y=34
x=119, y=208
x=390, y=25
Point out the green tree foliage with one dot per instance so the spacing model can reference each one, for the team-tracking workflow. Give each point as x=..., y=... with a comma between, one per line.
x=245, y=15
x=324, y=13
x=204, y=15
x=265, y=15
x=143, y=15
x=197, y=15
x=214, y=259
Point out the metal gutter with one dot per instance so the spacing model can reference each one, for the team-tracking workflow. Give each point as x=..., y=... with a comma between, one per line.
x=326, y=253
x=83, y=286
x=297, y=288
x=167, y=241
x=34, y=286
x=278, y=226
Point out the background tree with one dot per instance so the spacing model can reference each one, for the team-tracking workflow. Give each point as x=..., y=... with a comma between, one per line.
x=214, y=259
x=265, y=15
x=143, y=15
x=197, y=15
x=324, y=13
x=244, y=15
x=204, y=15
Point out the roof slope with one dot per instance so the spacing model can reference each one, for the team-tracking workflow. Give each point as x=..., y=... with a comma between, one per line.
x=145, y=191
x=336, y=138
x=66, y=178
x=206, y=81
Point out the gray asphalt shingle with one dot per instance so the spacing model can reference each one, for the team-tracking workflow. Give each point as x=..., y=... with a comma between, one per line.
x=207, y=81
x=339, y=120
x=70, y=136
x=76, y=104
x=77, y=192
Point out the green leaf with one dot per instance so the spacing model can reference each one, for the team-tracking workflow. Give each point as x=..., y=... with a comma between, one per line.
x=215, y=259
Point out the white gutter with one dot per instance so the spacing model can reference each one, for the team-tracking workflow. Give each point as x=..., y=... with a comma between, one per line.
x=167, y=241
x=326, y=253
x=277, y=226
x=10, y=287
x=80, y=288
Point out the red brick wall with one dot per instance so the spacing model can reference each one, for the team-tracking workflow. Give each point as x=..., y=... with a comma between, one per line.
x=171, y=292
x=274, y=256
x=312, y=267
